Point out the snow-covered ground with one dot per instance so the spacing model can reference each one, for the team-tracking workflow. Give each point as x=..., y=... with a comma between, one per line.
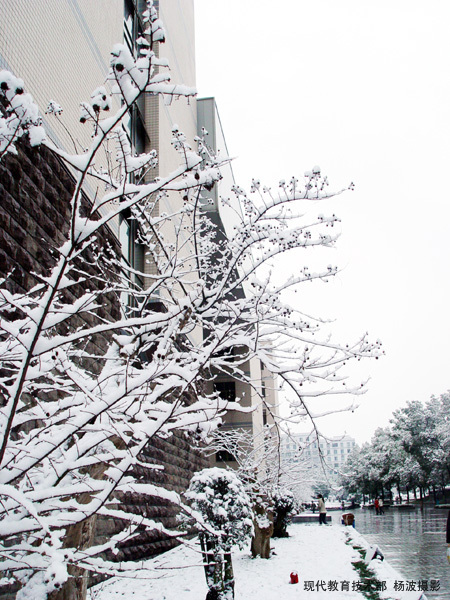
x=321, y=556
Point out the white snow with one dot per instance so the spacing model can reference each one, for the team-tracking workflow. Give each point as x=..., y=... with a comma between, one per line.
x=318, y=554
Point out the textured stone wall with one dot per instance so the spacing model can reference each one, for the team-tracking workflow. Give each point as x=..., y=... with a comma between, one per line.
x=35, y=191
x=180, y=460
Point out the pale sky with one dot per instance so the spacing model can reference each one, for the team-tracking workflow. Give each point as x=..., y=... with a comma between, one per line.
x=361, y=88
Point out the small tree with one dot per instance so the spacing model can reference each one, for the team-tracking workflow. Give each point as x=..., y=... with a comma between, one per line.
x=257, y=461
x=220, y=498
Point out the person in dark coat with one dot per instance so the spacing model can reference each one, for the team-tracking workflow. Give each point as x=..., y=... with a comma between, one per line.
x=322, y=510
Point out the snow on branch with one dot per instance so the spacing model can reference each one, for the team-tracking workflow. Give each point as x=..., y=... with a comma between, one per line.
x=83, y=392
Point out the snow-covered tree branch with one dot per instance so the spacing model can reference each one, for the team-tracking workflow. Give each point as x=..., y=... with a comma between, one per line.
x=74, y=420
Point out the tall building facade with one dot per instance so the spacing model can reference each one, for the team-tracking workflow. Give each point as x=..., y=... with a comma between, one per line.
x=261, y=392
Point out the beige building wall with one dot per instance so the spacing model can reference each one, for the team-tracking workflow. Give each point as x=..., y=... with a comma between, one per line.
x=179, y=49
x=71, y=43
x=261, y=392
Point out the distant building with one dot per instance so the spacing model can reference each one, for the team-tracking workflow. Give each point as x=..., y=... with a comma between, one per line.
x=330, y=454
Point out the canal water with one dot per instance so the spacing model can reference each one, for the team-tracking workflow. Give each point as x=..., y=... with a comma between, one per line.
x=413, y=542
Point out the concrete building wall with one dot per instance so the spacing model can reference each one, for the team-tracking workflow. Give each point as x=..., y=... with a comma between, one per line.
x=60, y=48
x=179, y=49
x=261, y=392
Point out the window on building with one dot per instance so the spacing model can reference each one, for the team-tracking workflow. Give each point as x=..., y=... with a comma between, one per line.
x=225, y=456
x=226, y=389
x=133, y=253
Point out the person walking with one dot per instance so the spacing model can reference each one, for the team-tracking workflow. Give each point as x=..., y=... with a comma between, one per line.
x=322, y=510
x=380, y=506
x=377, y=506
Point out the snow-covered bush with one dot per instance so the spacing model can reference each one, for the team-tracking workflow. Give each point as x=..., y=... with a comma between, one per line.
x=284, y=506
x=225, y=509
x=220, y=497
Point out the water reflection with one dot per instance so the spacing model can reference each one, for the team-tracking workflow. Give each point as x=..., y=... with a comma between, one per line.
x=412, y=541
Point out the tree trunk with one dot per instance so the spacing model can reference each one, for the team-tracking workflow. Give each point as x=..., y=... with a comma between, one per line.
x=80, y=536
x=208, y=561
x=434, y=495
x=261, y=538
x=228, y=578
x=280, y=524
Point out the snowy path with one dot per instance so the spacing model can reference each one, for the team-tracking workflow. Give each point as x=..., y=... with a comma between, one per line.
x=320, y=555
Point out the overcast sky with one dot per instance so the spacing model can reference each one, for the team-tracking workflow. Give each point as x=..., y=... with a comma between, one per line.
x=362, y=89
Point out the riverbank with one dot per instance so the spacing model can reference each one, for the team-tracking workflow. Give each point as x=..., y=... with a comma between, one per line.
x=329, y=561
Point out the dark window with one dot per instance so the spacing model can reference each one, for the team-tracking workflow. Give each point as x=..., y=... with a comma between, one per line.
x=132, y=27
x=226, y=389
x=132, y=250
x=224, y=456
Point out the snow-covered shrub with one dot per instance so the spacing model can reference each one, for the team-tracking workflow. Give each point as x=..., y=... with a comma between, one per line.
x=225, y=509
x=284, y=505
x=219, y=496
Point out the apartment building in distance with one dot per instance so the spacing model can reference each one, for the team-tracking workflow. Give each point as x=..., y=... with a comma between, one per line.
x=329, y=454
